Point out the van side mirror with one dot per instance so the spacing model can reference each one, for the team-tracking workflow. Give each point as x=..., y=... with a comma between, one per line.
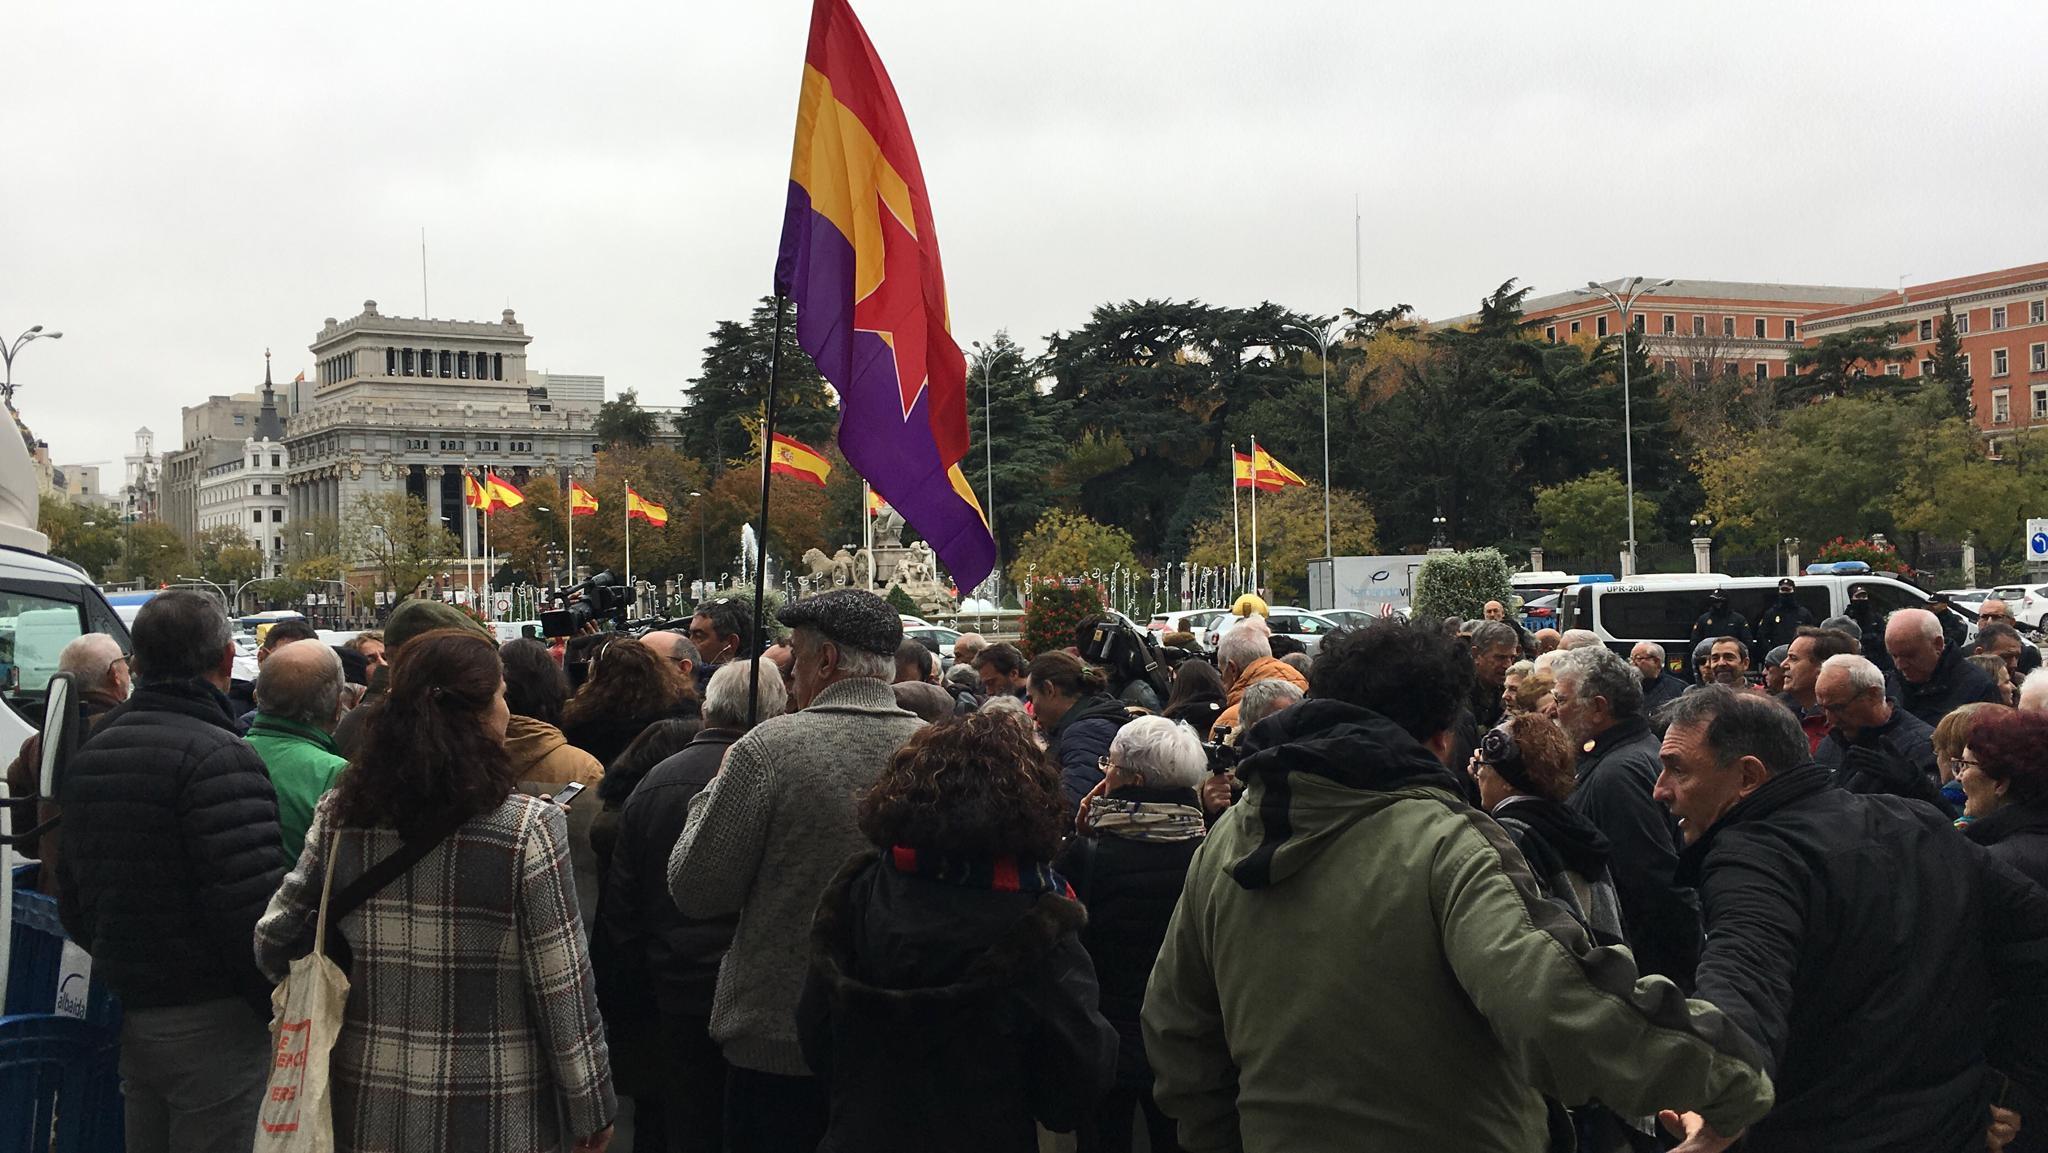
x=60, y=732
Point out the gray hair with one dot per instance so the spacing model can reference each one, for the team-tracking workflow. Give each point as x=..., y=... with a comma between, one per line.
x=853, y=662
x=1843, y=624
x=1741, y=650
x=2034, y=690
x=1299, y=662
x=1241, y=646
x=1597, y=671
x=1167, y=752
x=89, y=659
x=1656, y=650
x=1005, y=703
x=1578, y=639
x=967, y=646
x=1919, y=620
x=1264, y=698
x=1863, y=675
x=725, y=696
x=1488, y=635
x=1744, y=724
x=301, y=681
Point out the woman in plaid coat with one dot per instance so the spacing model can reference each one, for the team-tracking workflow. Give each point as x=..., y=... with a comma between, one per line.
x=472, y=1020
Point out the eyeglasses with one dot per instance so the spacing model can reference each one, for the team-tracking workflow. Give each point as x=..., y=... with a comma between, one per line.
x=1106, y=765
x=1969, y=763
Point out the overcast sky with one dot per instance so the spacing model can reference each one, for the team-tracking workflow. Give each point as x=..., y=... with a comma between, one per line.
x=186, y=184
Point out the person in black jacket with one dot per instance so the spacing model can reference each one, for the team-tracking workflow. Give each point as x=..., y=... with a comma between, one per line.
x=1856, y=939
x=171, y=852
x=949, y=1003
x=1139, y=830
x=1873, y=746
x=656, y=968
x=1600, y=703
x=2005, y=788
x=1929, y=676
x=1070, y=702
x=1197, y=696
x=1783, y=619
x=1954, y=629
x=1721, y=620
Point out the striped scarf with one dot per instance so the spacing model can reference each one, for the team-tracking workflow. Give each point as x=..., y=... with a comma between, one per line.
x=1001, y=874
x=1146, y=820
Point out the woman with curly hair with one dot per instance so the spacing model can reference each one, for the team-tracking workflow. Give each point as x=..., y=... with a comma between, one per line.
x=471, y=1019
x=950, y=1004
x=1525, y=769
x=629, y=687
x=2004, y=775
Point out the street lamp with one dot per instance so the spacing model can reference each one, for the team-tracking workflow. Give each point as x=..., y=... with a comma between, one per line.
x=1625, y=305
x=988, y=446
x=7, y=352
x=701, y=577
x=1438, y=524
x=1322, y=340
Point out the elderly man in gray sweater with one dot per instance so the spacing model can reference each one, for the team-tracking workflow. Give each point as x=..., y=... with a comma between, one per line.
x=769, y=833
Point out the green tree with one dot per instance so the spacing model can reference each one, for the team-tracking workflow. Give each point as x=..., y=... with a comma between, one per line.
x=900, y=601
x=1460, y=584
x=85, y=536
x=1290, y=535
x=1068, y=544
x=1588, y=517
x=1950, y=375
x=722, y=426
x=659, y=474
x=622, y=422
x=225, y=555
x=152, y=553
x=1825, y=470
x=1838, y=364
x=398, y=540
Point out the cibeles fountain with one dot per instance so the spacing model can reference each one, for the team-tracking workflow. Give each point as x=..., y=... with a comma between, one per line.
x=889, y=564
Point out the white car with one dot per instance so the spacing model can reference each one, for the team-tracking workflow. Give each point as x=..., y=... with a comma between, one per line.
x=1303, y=625
x=2027, y=603
x=934, y=636
x=1195, y=621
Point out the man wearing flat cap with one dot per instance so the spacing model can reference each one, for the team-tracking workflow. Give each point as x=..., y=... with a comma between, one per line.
x=768, y=834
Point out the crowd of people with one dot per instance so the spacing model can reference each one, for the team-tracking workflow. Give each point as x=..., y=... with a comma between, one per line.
x=1440, y=885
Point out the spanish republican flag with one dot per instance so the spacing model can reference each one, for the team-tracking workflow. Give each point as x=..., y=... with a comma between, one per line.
x=1273, y=474
x=860, y=258
x=501, y=493
x=793, y=457
x=473, y=493
x=581, y=503
x=647, y=510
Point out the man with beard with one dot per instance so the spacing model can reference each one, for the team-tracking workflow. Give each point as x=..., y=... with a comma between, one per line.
x=1727, y=664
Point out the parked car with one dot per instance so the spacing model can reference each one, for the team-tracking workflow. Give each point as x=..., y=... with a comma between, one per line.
x=1540, y=612
x=1357, y=618
x=1307, y=627
x=937, y=638
x=1196, y=621
x=2028, y=603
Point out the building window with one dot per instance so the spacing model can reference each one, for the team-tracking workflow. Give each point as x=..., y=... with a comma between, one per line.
x=1999, y=366
x=405, y=362
x=277, y=490
x=522, y=446
x=1550, y=333
x=390, y=362
x=2037, y=312
x=1998, y=318
x=1763, y=368
x=1699, y=325
x=240, y=420
x=462, y=366
x=1670, y=324
x=1966, y=367
x=416, y=443
x=1575, y=328
x=1601, y=328
x=277, y=516
x=451, y=446
x=277, y=544
x=1731, y=369
x=1671, y=368
x=487, y=446
x=257, y=516
x=276, y=460
x=255, y=490
x=1927, y=330
x=447, y=365
x=2001, y=407
x=2038, y=358
x=1758, y=328
x=1962, y=322
x=497, y=366
x=1728, y=326
x=1699, y=370
x=2040, y=402
x=1927, y=368
x=1894, y=370
x=1789, y=332
x=1640, y=319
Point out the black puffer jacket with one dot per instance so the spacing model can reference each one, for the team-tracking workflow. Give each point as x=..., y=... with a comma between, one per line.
x=1130, y=888
x=171, y=850
x=1956, y=682
x=942, y=1017
x=1079, y=742
x=1661, y=915
x=2018, y=835
x=1896, y=758
x=1860, y=942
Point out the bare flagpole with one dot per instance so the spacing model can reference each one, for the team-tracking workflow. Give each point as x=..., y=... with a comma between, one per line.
x=761, y=539
x=1236, y=542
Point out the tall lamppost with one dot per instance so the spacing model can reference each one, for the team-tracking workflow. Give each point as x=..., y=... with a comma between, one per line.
x=1625, y=305
x=1322, y=340
x=699, y=498
x=988, y=445
x=8, y=351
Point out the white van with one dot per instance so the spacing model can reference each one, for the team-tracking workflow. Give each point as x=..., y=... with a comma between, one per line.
x=1663, y=607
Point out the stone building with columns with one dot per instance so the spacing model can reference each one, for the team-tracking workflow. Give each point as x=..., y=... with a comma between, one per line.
x=402, y=404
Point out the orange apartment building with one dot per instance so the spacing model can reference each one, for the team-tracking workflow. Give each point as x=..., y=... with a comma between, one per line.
x=2002, y=318
x=1701, y=327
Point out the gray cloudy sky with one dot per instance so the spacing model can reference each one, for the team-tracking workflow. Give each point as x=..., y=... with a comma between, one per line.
x=186, y=184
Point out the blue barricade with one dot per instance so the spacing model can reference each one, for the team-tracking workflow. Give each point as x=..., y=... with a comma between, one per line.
x=60, y=1087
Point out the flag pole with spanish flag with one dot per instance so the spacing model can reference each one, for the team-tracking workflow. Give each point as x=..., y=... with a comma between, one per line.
x=1236, y=541
x=1255, y=515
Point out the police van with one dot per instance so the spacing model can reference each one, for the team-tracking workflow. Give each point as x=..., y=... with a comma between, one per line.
x=1662, y=607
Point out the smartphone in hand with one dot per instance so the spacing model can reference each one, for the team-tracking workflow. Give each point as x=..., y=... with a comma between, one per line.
x=568, y=793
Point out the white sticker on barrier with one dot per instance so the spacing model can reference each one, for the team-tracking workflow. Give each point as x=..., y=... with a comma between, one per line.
x=74, y=981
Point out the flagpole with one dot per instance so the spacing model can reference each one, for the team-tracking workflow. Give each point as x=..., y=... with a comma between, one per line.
x=1255, y=516
x=572, y=530
x=628, y=503
x=468, y=545
x=761, y=538
x=867, y=529
x=1236, y=544
x=488, y=498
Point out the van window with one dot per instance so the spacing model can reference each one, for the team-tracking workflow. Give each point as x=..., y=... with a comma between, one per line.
x=1650, y=616
x=1889, y=598
x=33, y=631
x=1568, y=610
x=1755, y=602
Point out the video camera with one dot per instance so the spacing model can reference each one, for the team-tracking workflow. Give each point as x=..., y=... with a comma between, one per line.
x=1129, y=654
x=602, y=597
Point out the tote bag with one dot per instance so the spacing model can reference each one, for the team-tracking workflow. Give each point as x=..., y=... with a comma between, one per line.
x=306, y=1015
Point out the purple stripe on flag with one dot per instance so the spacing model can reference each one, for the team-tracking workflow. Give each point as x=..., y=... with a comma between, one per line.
x=897, y=455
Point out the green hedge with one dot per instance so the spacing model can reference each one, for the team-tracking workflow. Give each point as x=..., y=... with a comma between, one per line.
x=1052, y=613
x=1460, y=584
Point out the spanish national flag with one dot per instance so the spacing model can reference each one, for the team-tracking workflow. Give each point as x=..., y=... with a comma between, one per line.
x=1243, y=476
x=1273, y=474
x=875, y=503
x=794, y=458
x=581, y=503
x=647, y=510
x=501, y=492
x=473, y=493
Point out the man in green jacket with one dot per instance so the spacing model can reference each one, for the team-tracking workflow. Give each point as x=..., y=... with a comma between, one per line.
x=298, y=699
x=1360, y=961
